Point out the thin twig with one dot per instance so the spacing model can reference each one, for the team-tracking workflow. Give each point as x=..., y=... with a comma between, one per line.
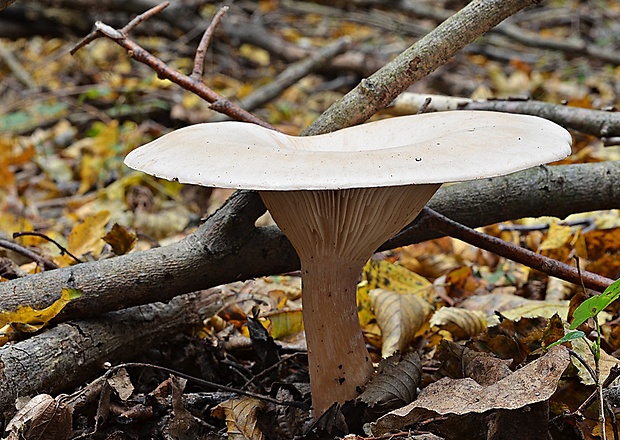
x=199, y=59
x=433, y=220
x=209, y=384
x=583, y=362
x=196, y=86
x=143, y=17
x=42, y=262
x=62, y=249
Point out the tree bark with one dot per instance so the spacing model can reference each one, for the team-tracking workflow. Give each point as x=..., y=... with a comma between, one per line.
x=70, y=354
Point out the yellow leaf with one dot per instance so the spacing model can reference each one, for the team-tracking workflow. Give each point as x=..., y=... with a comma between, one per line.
x=86, y=236
x=461, y=323
x=240, y=415
x=400, y=317
x=38, y=318
x=385, y=275
x=285, y=323
x=253, y=53
x=557, y=237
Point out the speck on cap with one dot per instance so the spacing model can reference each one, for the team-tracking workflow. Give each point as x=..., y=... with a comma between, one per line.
x=429, y=148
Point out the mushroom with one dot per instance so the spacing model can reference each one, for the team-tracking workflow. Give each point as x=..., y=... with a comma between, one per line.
x=339, y=196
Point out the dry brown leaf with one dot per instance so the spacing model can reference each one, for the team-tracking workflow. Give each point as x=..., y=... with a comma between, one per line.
x=240, y=415
x=121, y=383
x=43, y=417
x=536, y=382
x=121, y=239
x=400, y=317
x=395, y=384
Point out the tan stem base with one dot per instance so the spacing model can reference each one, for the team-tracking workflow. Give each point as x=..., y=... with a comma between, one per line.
x=338, y=360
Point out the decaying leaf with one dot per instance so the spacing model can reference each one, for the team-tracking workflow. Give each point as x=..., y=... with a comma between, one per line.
x=121, y=239
x=183, y=425
x=458, y=362
x=395, y=384
x=536, y=382
x=240, y=415
x=43, y=417
x=121, y=383
x=461, y=323
x=512, y=339
x=400, y=317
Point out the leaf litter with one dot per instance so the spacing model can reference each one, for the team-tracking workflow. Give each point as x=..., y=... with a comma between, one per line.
x=61, y=174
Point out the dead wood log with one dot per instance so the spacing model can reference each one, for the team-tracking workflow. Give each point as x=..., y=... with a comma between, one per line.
x=227, y=247
x=68, y=355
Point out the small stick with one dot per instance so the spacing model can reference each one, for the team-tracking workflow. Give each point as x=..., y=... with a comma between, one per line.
x=63, y=250
x=42, y=262
x=199, y=59
x=433, y=220
x=209, y=384
x=143, y=17
x=189, y=83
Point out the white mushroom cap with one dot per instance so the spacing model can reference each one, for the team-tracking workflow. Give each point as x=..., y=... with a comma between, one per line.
x=429, y=148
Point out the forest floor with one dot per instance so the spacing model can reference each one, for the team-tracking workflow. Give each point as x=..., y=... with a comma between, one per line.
x=68, y=120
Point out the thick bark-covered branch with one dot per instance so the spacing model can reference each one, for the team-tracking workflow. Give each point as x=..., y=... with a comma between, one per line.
x=228, y=247
x=70, y=354
x=430, y=52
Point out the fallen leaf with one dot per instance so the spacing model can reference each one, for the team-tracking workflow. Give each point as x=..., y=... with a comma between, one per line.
x=240, y=415
x=121, y=383
x=43, y=417
x=461, y=323
x=38, y=318
x=536, y=382
x=395, y=384
x=121, y=239
x=400, y=317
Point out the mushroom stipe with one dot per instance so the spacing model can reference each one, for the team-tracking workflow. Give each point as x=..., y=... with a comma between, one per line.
x=340, y=195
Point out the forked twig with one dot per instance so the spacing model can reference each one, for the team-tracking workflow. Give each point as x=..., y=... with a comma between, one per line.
x=199, y=59
x=190, y=83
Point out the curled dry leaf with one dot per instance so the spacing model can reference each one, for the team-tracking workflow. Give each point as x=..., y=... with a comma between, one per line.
x=536, y=382
x=240, y=415
x=395, y=385
x=43, y=417
x=461, y=323
x=400, y=317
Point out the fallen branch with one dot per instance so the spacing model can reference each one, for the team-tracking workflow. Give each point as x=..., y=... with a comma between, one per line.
x=599, y=123
x=433, y=220
x=188, y=82
x=428, y=53
x=68, y=355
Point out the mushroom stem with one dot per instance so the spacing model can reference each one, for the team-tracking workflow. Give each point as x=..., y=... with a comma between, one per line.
x=338, y=360
x=334, y=233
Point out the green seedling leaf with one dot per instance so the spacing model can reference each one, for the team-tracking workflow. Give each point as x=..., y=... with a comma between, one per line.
x=568, y=337
x=593, y=306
